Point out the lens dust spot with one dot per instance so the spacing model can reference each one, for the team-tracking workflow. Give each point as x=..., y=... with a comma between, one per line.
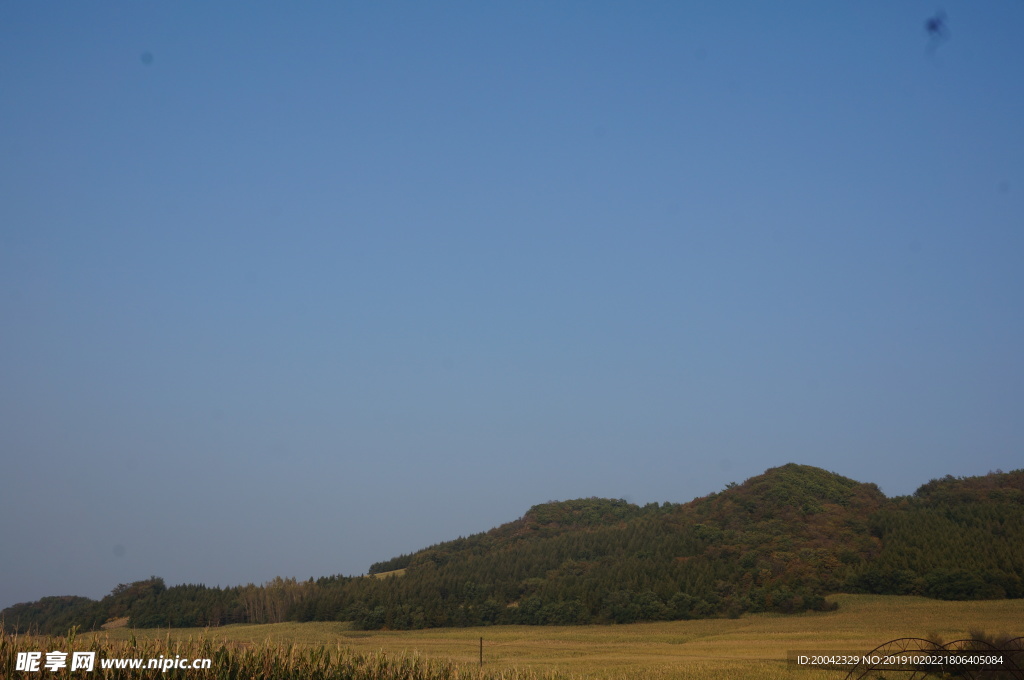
x=147, y=58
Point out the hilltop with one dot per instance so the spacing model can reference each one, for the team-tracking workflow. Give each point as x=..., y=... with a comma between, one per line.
x=779, y=541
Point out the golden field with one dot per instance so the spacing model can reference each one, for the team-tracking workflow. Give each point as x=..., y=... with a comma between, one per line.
x=750, y=647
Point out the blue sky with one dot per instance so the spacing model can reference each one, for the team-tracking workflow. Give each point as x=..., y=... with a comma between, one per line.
x=291, y=290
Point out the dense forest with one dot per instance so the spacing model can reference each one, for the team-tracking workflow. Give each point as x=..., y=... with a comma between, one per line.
x=779, y=542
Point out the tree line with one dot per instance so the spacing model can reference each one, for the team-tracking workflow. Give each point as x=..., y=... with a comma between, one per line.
x=780, y=542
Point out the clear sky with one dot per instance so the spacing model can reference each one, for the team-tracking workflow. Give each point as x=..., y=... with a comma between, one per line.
x=291, y=288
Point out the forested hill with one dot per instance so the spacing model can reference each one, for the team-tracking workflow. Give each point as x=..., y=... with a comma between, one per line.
x=780, y=541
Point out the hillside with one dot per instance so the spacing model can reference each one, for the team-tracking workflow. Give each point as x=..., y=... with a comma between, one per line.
x=778, y=542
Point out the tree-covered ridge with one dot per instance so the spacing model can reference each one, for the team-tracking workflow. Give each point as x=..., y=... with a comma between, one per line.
x=583, y=512
x=55, y=613
x=540, y=521
x=780, y=541
x=1000, y=487
x=955, y=538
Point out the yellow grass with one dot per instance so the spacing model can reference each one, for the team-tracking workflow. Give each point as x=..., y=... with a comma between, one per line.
x=751, y=647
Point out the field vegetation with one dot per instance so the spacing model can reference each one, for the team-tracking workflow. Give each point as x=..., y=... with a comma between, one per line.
x=753, y=646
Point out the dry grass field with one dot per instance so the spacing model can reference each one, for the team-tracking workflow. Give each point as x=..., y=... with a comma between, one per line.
x=751, y=647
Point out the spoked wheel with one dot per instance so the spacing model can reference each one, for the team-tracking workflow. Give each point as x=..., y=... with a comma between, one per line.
x=896, y=660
